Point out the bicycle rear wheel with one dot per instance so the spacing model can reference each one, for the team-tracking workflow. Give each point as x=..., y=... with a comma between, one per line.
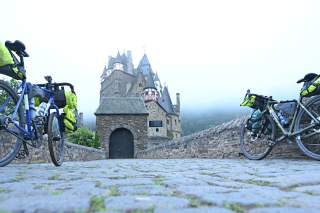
x=9, y=144
x=309, y=141
x=258, y=147
x=55, y=140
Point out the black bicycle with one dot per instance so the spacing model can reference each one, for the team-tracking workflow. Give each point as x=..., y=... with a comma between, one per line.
x=296, y=119
x=20, y=124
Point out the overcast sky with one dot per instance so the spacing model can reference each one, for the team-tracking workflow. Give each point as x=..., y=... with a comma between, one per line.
x=209, y=51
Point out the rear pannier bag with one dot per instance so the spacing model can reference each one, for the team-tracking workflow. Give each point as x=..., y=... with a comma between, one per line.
x=10, y=67
x=311, y=88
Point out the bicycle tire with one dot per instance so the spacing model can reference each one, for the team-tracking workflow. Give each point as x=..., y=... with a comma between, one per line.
x=17, y=146
x=268, y=147
x=57, y=156
x=299, y=122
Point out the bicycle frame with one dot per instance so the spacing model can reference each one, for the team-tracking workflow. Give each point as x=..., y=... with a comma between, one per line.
x=27, y=130
x=290, y=132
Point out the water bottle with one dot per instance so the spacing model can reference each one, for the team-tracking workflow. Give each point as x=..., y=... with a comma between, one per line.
x=283, y=119
x=32, y=108
x=41, y=109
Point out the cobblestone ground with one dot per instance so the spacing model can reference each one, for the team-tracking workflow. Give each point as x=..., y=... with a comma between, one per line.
x=162, y=186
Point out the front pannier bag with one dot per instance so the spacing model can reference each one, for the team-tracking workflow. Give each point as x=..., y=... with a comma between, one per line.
x=311, y=88
x=254, y=101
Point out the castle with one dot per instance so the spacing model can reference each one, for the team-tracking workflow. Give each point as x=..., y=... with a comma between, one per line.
x=134, y=107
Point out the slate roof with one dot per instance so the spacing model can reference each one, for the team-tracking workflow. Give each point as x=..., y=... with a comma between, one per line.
x=165, y=101
x=121, y=105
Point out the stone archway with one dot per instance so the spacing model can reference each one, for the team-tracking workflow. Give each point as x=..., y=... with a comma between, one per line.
x=121, y=144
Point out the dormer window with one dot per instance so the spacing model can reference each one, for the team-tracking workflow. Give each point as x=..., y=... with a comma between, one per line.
x=118, y=66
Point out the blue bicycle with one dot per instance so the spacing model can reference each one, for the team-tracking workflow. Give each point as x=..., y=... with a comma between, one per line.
x=20, y=123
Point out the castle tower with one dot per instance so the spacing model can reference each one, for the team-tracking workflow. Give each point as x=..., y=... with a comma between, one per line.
x=150, y=90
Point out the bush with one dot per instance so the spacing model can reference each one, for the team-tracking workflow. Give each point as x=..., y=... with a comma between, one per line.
x=85, y=137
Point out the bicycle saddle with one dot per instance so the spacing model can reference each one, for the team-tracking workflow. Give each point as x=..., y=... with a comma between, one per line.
x=17, y=47
x=307, y=77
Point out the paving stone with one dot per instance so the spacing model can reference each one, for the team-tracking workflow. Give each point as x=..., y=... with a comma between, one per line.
x=194, y=210
x=145, y=202
x=284, y=210
x=179, y=185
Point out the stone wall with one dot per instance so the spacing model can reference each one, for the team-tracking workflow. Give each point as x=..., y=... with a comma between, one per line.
x=222, y=141
x=73, y=152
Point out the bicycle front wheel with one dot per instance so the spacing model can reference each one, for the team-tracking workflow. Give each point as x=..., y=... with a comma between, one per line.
x=55, y=140
x=9, y=144
x=257, y=147
x=309, y=141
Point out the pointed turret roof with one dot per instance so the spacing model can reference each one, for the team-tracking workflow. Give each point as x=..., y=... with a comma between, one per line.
x=150, y=83
x=165, y=101
x=118, y=58
x=156, y=77
x=144, y=65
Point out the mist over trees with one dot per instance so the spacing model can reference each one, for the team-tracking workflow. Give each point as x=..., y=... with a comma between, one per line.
x=192, y=120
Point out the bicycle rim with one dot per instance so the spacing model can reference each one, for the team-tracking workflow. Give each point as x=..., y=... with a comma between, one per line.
x=55, y=140
x=9, y=144
x=257, y=148
x=309, y=141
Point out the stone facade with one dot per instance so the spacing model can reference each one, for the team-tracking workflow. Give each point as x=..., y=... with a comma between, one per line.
x=136, y=124
x=156, y=113
x=222, y=141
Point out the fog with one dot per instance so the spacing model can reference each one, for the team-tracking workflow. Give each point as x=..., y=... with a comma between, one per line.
x=209, y=51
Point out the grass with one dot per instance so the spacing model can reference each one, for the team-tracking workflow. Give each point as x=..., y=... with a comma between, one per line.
x=98, y=184
x=234, y=207
x=158, y=180
x=114, y=191
x=258, y=183
x=194, y=203
x=97, y=204
x=54, y=177
x=2, y=190
x=149, y=210
x=57, y=192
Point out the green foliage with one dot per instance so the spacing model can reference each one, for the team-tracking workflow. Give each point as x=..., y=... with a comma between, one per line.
x=85, y=137
x=4, y=96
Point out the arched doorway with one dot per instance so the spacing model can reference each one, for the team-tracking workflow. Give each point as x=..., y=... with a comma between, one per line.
x=121, y=144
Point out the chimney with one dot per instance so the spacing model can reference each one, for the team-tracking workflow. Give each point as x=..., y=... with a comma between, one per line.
x=178, y=102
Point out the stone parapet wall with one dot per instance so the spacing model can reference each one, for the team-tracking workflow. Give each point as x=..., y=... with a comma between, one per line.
x=222, y=141
x=73, y=152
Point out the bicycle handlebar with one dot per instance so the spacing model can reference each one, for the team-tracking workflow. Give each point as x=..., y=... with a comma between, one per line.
x=56, y=85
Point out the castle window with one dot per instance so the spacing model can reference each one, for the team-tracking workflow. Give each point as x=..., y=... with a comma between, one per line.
x=157, y=129
x=140, y=85
x=175, y=121
x=168, y=122
x=155, y=123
